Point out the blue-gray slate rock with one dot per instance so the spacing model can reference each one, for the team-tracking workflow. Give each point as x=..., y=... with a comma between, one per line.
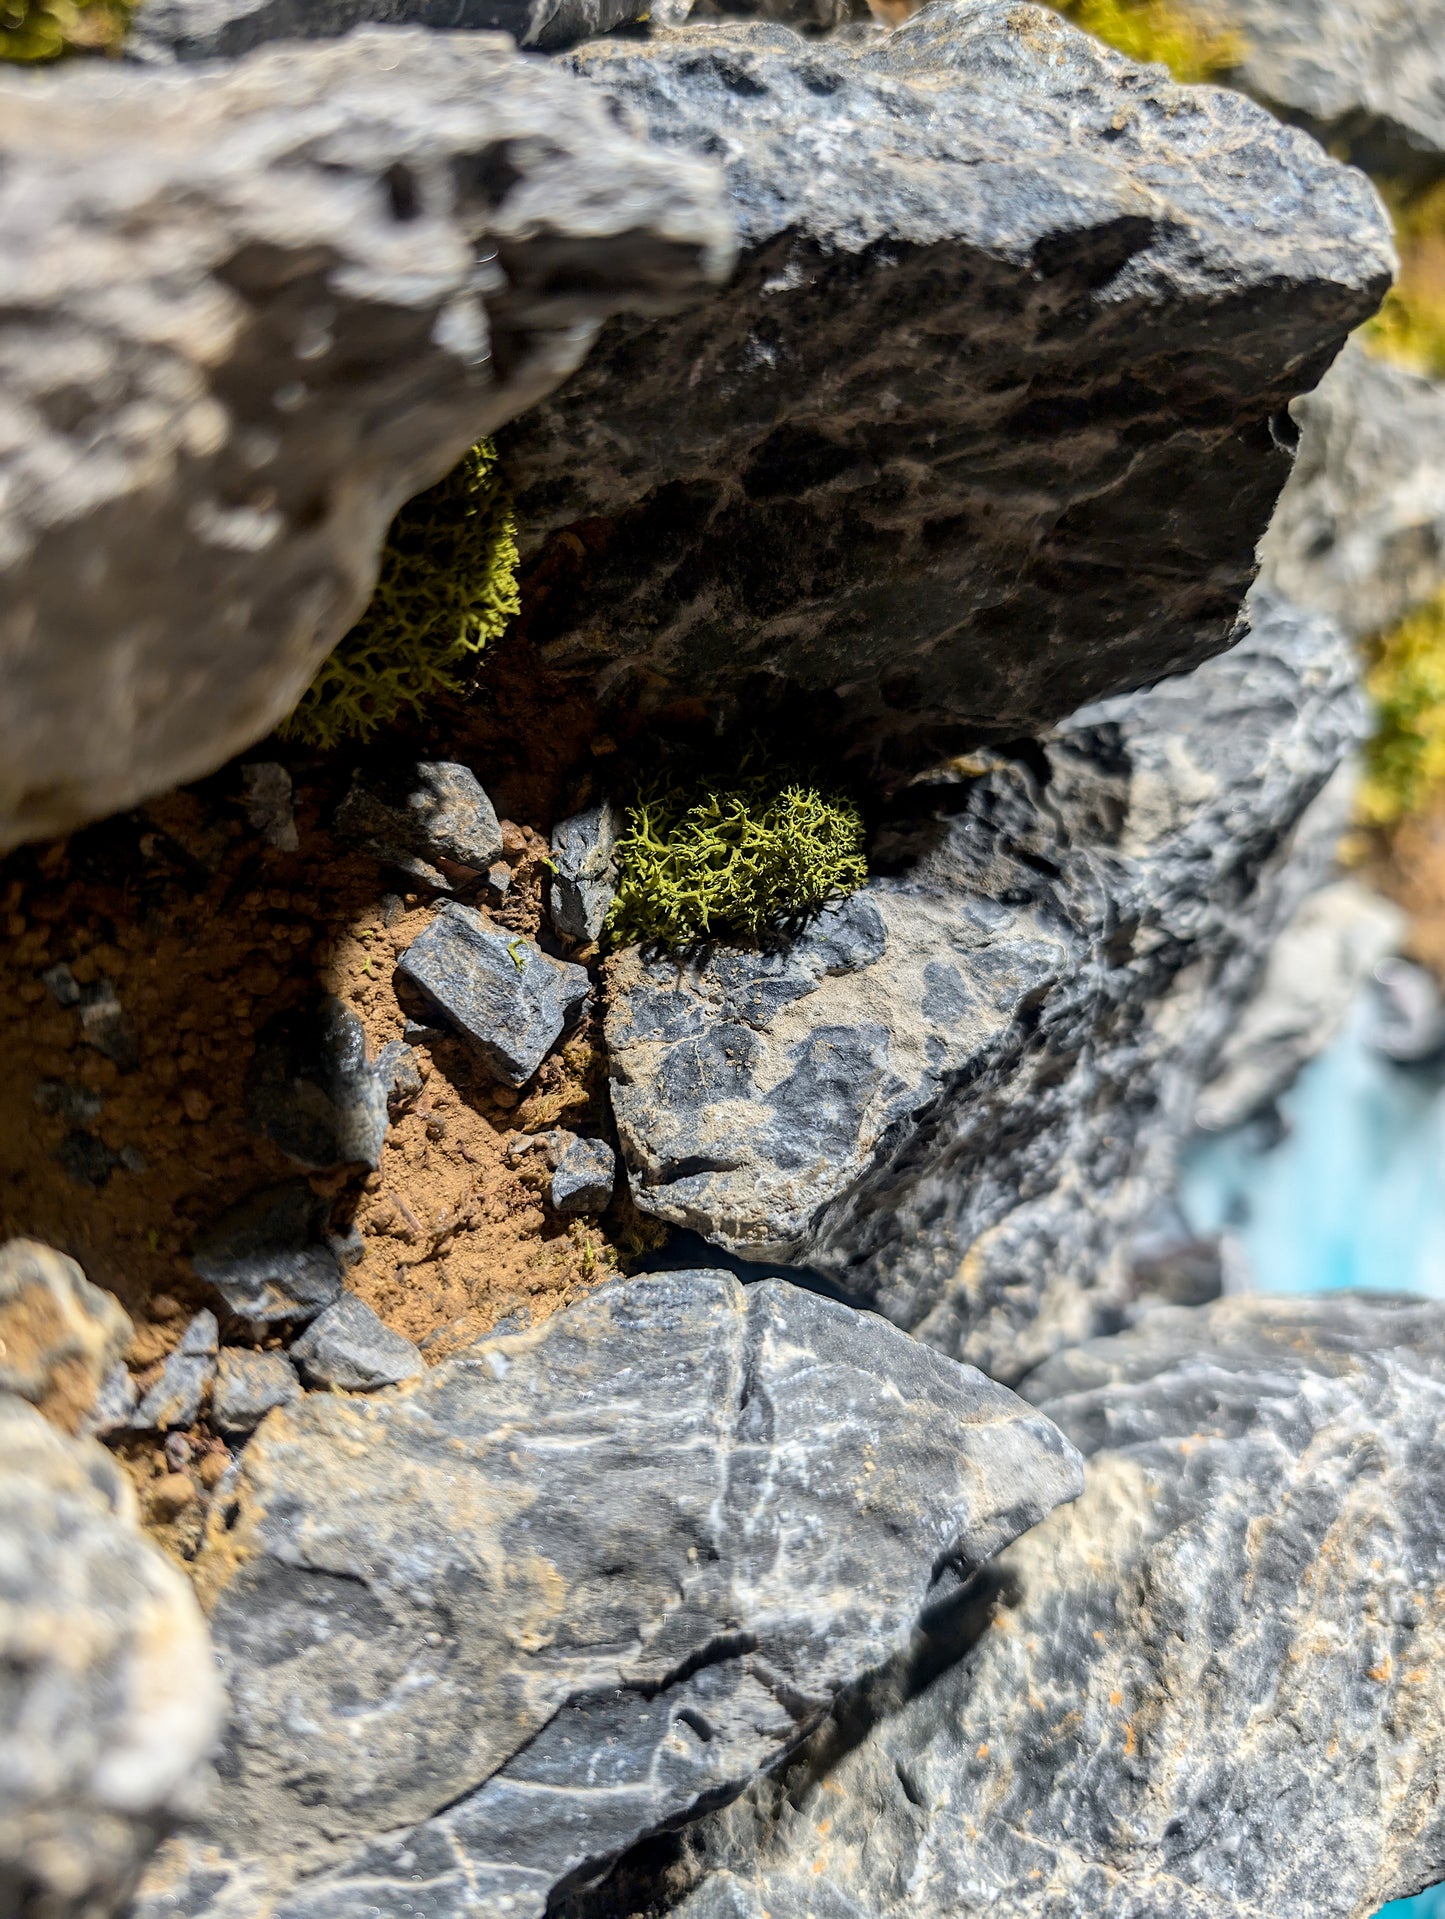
x=584, y=871
x=585, y=1175
x=992, y=414
x=962, y=1089
x=506, y=997
x=269, y=1256
x=311, y=1088
x=433, y=810
x=484, y=1631
x=248, y=1385
x=178, y=1395
x=1214, y=1688
x=348, y=1346
x=170, y=30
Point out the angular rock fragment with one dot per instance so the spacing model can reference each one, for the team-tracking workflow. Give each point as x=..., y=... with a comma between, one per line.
x=483, y=1632
x=506, y=997
x=250, y=1385
x=268, y=804
x=269, y=1256
x=430, y=811
x=960, y=1091
x=1214, y=1686
x=59, y=1335
x=585, y=1175
x=349, y=1347
x=178, y=1395
x=311, y=1088
x=115, y=1405
x=111, y=1698
x=252, y=309
x=105, y=1025
x=584, y=871
x=170, y=30
x=981, y=428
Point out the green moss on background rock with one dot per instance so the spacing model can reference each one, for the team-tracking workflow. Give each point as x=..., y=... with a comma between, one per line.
x=1405, y=761
x=38, y=30
x=752, y=858
x=1192, y=47
x=447, y=585
x=1410, y=326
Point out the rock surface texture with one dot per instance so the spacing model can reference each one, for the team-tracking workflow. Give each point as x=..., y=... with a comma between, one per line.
x=1211, y=1689
x=962, y=1088
x=248, y=312
x=110, y=1700
x=60, y=1336
x=170, y=30
x=484, y=1631
x=981, y=428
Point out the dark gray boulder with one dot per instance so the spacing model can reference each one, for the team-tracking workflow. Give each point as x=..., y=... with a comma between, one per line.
x=1211, y=1689
x=248, y=1386
x=989, y=419
x=506, y=997
x=962, y=1089
x=348, y=1347
x=584, y=871
x=434, y=810
x=269, y=1256
x=111, y=1700
x=316, y=276
x=169, y=30
x=483, y=1631
x=312, y=1090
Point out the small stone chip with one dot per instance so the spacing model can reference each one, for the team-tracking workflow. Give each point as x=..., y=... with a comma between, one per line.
x=585, y=1176
x=348, y=1346
x=249, y=1385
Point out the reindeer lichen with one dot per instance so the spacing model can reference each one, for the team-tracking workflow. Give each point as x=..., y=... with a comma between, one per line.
x=35, y=31
x=1192, y=45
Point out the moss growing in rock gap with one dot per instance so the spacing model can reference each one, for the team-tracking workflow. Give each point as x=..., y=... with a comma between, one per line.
x=752, y=856
x=1410, y=326
x=1405, y=760
x=447, y=586
x=33, y=31
x=1191, y=46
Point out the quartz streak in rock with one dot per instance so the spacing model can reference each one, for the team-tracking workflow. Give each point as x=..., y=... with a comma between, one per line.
x=483, y=1632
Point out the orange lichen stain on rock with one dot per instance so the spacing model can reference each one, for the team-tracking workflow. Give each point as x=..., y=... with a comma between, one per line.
x=1131, y=1744
x=1116, y=1698
x=1381, y=1672
x=982, y=1752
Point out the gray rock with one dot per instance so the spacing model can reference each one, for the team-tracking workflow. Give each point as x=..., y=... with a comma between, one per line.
x=1212, y=1688
x=111, y=1699
x=279, y=299
x=506, y=997
x=268, y=804
x=186, y=1378
x=1312, y=978
x=115, y=1405
x=349, y=1347
x=1410, y=1026
x=59, y=1335
x=311, y=1088
x=982, y=427
x=62, y=1099
x=171, y=30
x=1359, y=533
x=483, y=1632
x=962, y=1090
x=268, y=1256
x=584, y=871
x=584, y=1178
x=399, y=1067
x=105, y=1025
x=250, y=1385
x=432, y=810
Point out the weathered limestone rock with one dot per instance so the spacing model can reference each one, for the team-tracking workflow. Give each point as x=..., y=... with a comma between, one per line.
x=982, y=427
x=248, y=311
x=110, y=1699
x=210, y=29
x=311, y=1088
x=59, y=1335
x=433, y=810
x=1359, y=533
x=484, y=1631
x=269, y=1257
x=961, y=1090
x=1212, y=1689
x=347, y=1346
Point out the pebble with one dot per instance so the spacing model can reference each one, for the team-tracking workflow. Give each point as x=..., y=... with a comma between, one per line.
x=249, y=1385
x=349, y=1347
x=585, y=1176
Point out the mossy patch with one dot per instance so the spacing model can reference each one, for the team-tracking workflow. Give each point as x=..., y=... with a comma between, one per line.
x=1192, y=45
x=1405, y=760
x=751, y=858
x=34, y=31
x=1410, y=326
x=447, y=586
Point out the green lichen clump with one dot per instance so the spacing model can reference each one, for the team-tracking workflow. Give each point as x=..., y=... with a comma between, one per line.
x=32, y=31
x=752, y=858
x=1410, y=326
x=1405, y=761
x=1192, y=45
x=448, y=585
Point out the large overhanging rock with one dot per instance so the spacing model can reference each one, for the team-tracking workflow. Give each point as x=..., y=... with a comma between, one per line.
x=110, y=1700
x=1212, y=1689
x=483, y=1632
x=960, y=1090
x=985, y=425
x=167, y=30
x=244, y=314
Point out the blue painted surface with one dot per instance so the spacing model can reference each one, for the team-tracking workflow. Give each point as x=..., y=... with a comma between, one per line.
x=1429, y=1905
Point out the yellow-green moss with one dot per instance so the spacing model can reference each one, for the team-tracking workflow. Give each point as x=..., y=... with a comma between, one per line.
x=1192, y=46
x=448, y=585
x=751, y=858
x=38, y=30
x=1410, y=326
x=1405, y=761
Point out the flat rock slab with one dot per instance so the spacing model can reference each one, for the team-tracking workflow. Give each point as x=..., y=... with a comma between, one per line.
x=981, y=428
x=960, y=1091
x=483, y=1632
x=249, y=311
x=1214, y=1688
